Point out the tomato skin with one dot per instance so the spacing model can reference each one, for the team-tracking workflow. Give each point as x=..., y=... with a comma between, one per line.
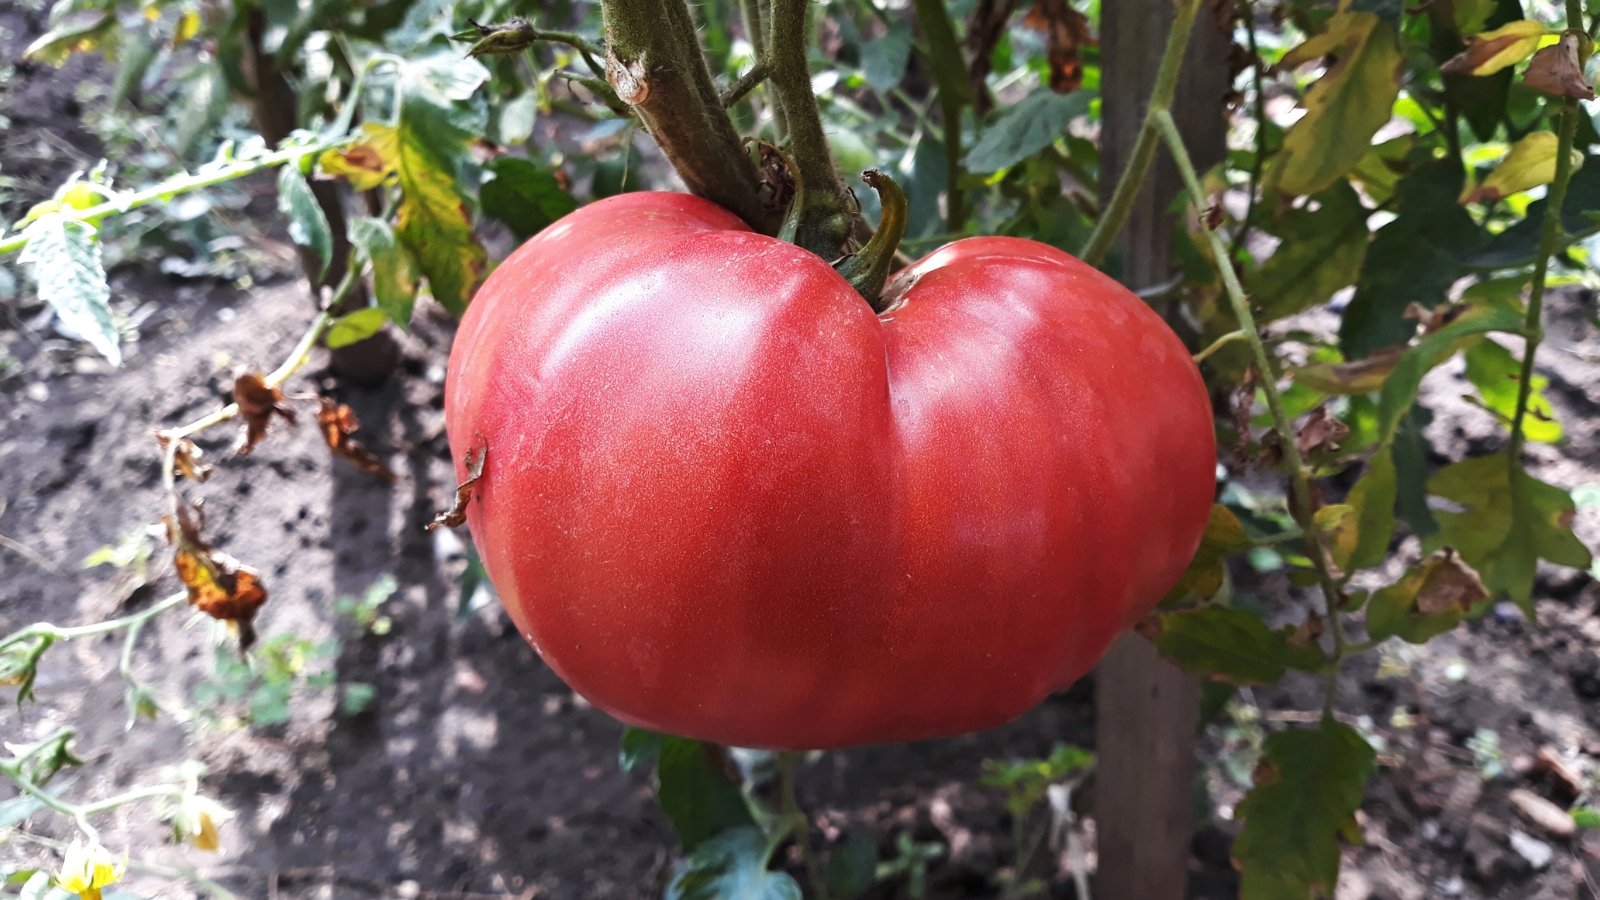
x=726, y=500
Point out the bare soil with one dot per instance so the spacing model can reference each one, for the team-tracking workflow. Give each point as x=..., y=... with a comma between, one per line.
x=476, y=772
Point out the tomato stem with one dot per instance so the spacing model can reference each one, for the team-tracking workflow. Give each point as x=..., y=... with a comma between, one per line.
x=868, y=269
x=824, y=216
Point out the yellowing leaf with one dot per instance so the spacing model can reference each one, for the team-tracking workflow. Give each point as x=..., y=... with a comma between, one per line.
x=1338, y=530
x=433, y=223
x=1491, y=51
x=369, y=162
x=1223, y=537
x=1495, y=372
x=1346, y=107
x=1531, y=163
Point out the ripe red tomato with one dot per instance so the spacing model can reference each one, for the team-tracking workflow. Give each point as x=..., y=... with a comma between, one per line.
x=725, y=499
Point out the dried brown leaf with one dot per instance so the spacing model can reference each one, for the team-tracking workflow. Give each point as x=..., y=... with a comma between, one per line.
x=338, y=422
x=1556, y=70
x=218, y=585
x=185, y=458
x=1321, y=432
x=1066, y=30
x=457, y=513
x=258, y=403
x=1449, y=586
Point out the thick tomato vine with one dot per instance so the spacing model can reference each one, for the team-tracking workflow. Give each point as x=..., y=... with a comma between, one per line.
x=727, y=500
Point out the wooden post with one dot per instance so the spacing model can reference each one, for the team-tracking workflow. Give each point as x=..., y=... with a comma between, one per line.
x=1147, y=710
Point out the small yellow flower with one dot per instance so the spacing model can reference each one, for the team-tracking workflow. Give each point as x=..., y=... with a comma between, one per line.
x=87, y=868
x=197, y=821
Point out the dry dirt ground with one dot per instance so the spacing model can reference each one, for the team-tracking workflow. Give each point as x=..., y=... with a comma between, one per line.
x=474, y=772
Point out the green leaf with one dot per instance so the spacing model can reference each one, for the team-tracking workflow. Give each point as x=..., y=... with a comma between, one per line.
x=1373, y=499
x=1346, y=106
x=640, y=747
x=1025, y=128
x=1231, y=644
x=1405, y=379
x=1413, y=259
x=1586, y=817
x=1224, y=536
x=700, y=791
x=884, y=58
x=1495, y=372
x=356, y=697
x=1427, y=601
x=1321, y=252
x=852, y=867
x=1380, y=167
x=1509, y=520
x=1308, y=786
x=732, y=866
x=525, y=196
x=308, y=225
x=394, y=271
x=63, y=256
x=354, y=327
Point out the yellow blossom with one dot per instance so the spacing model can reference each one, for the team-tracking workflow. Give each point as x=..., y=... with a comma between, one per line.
x=87, y=868
x=197, y=821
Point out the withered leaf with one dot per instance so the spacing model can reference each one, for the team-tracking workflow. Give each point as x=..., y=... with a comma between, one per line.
x=338, y=422
x=185, y=458
x=1321, y=432
x=258, y=403
x=1556, y=70
x=1358, y=376
x=1432, y=320
x=219, y=585
x=1066, y=30
x=1241, y=406
x=1449, y=586
x=1491, y=51
x=457, y=513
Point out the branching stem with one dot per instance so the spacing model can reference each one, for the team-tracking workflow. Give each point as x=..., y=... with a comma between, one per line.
x=1133, y=177
x=181, y=184
x=1294, y=467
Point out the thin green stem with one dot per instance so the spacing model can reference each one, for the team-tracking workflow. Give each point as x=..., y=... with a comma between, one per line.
x=296, y=359
x=181, y=184
x=827, y=219
x=955, y=91
x=1218, y=344
x=57, y=633
x=1259, y=108
x=1294, y=468
x=1132, y=179
x=1549, y=239
x=789, y=809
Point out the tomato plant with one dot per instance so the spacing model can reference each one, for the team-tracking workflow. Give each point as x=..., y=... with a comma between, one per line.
x=765, y=462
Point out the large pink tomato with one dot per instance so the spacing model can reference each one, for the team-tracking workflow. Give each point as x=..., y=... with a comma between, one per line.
x=725, y=499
